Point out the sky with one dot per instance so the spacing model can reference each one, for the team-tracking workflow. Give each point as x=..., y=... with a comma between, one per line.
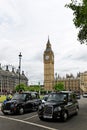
x=25, y=26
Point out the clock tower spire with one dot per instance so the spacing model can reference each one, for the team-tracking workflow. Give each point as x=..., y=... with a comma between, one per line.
x=48, y=67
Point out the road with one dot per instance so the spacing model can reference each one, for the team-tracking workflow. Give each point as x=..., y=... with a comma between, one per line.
x=32, y=122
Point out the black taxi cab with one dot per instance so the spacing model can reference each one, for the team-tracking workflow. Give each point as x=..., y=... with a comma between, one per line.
x=59, y=105
x=21, y=102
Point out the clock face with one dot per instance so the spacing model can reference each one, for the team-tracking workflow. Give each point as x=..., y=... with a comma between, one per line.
x=46, y=57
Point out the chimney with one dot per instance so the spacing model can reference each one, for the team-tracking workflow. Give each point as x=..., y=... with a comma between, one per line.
x=7, y=68
x=17, y=71
x=13, y=69
x=22, y=72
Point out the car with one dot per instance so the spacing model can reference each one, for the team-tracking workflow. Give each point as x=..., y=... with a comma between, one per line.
x=21, y=103
x=85, y=95
x=78, y=95
x=59, y=105
x=44, y=99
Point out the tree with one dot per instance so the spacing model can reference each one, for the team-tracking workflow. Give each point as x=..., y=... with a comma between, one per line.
x=79, y=8
x=59, y=86
x=21, y=87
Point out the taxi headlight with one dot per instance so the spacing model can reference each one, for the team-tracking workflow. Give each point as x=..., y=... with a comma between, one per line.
x=13, y=105
x=57, y=109
x=41, y=106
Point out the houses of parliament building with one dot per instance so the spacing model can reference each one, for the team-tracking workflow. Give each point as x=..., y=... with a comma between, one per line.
x=10, y=78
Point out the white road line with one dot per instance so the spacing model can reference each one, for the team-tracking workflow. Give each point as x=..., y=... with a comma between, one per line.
x=29, y=117
x=30, y=123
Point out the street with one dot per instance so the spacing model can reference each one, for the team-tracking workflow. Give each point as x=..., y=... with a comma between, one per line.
x=31, y=121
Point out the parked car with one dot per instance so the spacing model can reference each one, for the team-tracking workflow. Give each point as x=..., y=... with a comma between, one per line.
x=59, y=105
x=44, y=99
x=85, y=95
x=21, y=102
x=78, y=95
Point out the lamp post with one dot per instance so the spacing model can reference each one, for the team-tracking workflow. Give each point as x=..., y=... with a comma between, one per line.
x=39, y=87
x=19, y=66
x=56, y=77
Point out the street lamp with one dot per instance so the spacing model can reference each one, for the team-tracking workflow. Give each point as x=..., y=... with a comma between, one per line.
x=19, y=66
x=39, y=87
x=56, y=77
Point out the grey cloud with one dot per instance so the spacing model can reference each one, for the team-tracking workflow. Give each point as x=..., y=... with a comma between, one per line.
x=81, y=58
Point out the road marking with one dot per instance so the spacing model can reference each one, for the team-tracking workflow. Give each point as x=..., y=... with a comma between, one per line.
x=30, y=123
x=29, y=117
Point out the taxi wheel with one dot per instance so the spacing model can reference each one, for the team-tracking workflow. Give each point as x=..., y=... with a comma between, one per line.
x=21, y=110
x=64, y=116
x=41, y=118
x=77, y=110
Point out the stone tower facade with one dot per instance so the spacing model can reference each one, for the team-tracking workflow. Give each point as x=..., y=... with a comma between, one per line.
x=48, y=67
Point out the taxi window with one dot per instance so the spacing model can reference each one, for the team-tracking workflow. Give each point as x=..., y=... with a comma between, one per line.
x=72, y=97
x=33, y=95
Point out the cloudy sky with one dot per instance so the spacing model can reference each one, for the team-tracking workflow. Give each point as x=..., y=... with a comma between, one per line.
x=25, y=26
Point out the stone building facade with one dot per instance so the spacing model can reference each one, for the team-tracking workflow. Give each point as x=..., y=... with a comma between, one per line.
x=9, y=79
x=83, y=81
x=70, y=82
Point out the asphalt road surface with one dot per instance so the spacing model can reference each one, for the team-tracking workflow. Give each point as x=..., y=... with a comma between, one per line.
x=30, y=121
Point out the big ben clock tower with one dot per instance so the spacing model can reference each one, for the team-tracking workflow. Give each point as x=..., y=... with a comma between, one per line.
x=48, y=67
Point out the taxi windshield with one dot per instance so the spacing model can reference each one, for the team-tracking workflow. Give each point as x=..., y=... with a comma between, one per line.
x=19, y=96
x=57, y=97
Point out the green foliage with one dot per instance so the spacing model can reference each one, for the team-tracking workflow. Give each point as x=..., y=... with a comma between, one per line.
x=34, y=88
x=80, y=18
x=21, y=87
x=59, y=86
